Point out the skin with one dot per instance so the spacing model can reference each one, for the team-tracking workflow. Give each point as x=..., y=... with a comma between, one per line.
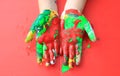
x=77, y=4
x=74, y=4
x=47, y=4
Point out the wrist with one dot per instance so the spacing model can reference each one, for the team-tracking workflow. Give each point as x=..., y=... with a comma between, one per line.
x=73, y=11
x=77, y=4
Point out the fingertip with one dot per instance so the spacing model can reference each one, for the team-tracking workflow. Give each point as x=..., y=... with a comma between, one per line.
x=39, y=61
x=93, y=40
x=78, y=59
x=26, y=41
x=47, y=64
x=70, y=66
x=70, y=62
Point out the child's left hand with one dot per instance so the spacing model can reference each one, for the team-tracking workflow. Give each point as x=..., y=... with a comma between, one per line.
x=46, y=27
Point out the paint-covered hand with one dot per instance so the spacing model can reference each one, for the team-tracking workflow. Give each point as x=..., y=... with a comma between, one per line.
x=46, y=28
x=73, y=25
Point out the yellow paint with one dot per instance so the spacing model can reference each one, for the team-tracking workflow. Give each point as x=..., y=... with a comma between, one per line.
x=52, y=15
x=70, y=62
x=29, y=37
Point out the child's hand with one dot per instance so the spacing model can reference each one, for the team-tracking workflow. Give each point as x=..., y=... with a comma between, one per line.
x=73, y=26
x=46, y=27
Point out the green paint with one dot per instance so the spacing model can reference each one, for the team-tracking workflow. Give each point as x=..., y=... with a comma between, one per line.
x=39, y=50
x=55, y=54
x=39, y=27
x=41, y=32
x=90, y=31
x=88, y=46
x=79, y=43
x=44, y=47
x=46, y=12
x=40, y=22
x=56, y=34
x=83, y=24
x=65, y=68
x=70, y=40
x=69, y=21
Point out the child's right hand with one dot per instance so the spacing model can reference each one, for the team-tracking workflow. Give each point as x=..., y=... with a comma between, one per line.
x=73, y=26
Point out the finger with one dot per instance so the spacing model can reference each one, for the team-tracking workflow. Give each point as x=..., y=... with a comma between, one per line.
x=78, y=50
x=46, y=56
x=65, y=54
x=30, y=36
x=71, y=55
x=52, y=57
x=39, y=51
x=61, y=50
x=78, y=55
x=88, y=29
x=56, y=46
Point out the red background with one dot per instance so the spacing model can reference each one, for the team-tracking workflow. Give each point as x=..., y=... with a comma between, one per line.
x=102, y=59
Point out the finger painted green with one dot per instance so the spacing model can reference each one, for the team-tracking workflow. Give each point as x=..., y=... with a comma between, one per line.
x=90, y=32
x=87, y=27
x=39, y=50
x=44, y=48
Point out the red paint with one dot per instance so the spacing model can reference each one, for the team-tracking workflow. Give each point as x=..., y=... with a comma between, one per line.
x=48, y=36
x=102, y=59
x=73, y=11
